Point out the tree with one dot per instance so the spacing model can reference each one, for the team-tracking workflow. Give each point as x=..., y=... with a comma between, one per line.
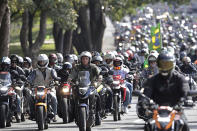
x=4, y=28
x=91, y=25
x=64, y=17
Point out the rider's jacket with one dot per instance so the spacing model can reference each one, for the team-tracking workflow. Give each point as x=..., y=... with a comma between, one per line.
x=166, y=91
x=92, y=68
x=188, y=69
x=120, y=71
x=39, y=78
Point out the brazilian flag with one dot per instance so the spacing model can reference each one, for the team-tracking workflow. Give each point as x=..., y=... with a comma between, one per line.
x=156, y=41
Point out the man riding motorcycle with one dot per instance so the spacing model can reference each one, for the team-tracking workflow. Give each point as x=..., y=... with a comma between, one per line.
x=53, y=61
x=120, y=70
x=42, y=76
x=93, y=70
x=168, y=87
x=16, y=71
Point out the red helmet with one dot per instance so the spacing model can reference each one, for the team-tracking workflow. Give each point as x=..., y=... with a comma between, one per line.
x=53, y=59
x=130, y=53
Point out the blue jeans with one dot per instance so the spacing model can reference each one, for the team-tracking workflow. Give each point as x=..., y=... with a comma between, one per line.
x=53, y=99
x=18, y=104
x=130, y=87
x=127, y=98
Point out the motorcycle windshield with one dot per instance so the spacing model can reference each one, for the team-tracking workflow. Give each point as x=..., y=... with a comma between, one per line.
x=5, y=79
x=84, y=78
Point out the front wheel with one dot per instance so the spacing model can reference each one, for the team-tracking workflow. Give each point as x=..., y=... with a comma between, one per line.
x=40, y=117
x=2, y=116
x=65, y=114
x=82, y=119
x=116, y=108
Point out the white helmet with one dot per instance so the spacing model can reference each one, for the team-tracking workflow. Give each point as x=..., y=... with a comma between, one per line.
x=60, y=57
x=109, y=55
x=87, y=54
x=6, y=60
x=153, y=56
x=75, y=57
x=42, y=61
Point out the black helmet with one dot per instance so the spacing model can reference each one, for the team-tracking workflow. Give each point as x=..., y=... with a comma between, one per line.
x=166, y=62
x=182, y=55
x=69, y=58
x=28, y=60
x=67, y=66
x=14, y=58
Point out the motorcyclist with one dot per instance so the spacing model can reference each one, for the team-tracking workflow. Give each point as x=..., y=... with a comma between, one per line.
x=120, y=70
x=85, y=65
x=152, y=69
x=27, y=66
x=168, y=86
x=14, y=62
x=108, y=58
x=69, y=58
x=65, y=71
x=75, y=59
x=42, y=76
x=98, y=60
x=194, y=57
x=5, y=67
x=53, y=61
x=60, y=59
x=187, y=67
x=16, y=72
x=20, y=61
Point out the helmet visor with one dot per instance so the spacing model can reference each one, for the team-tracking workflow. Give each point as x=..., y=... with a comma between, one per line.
x=165, y=65
x=42, y=63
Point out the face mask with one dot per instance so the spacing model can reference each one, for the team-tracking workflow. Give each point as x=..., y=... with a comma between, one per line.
x=164, y=74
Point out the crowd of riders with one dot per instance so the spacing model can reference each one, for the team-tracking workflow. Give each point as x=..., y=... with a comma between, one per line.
x=122, y=69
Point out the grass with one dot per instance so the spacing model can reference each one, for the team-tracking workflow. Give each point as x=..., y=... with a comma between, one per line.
x=46, y=49
x=15, y=47
x=16, y=27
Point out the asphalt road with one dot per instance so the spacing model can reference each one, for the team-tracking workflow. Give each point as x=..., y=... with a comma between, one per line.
x=129, y=122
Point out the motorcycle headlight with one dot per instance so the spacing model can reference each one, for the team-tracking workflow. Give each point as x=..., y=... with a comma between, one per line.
x=65, y=90
x=3, y=89
x=40, y=93
x=83, y=90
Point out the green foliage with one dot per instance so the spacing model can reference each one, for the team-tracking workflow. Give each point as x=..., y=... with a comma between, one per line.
x=62, y=12
x=117, y=9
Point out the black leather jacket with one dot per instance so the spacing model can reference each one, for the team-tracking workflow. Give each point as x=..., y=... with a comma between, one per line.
x=166, y=91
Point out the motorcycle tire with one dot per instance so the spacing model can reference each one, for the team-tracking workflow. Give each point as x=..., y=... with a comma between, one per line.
x=88, y=129
x=65, y=113
x=46, y=125
x=82, y=119
x=3, y=116
x=40, y=117
x=116, y=108
x=22, y=117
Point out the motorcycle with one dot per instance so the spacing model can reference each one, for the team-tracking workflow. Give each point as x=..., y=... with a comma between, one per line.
x=43, y=110
x=101, y=88
x=163, y=118
x=19, y=88
x=189, y=101
x=117, y=86
x=65, y=102
x=84, y=94
x=5, y=92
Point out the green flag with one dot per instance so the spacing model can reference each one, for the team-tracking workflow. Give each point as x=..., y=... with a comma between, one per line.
x=156, y=42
